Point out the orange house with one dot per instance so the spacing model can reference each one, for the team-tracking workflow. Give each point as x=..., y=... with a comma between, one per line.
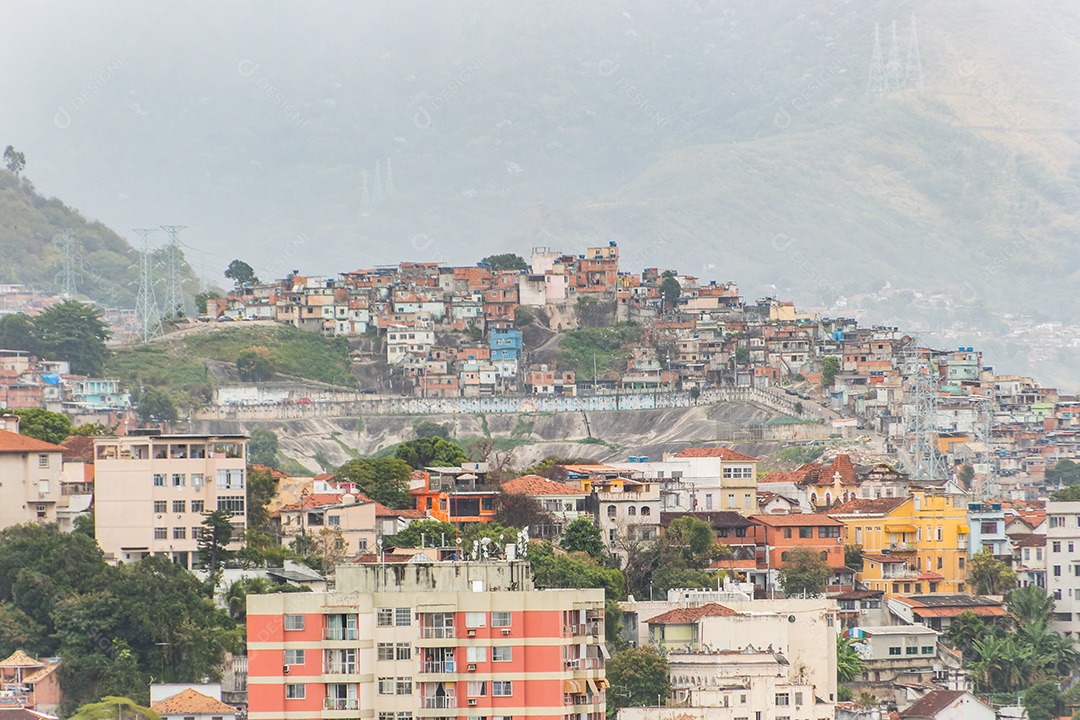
x=784, y=533
x=453, y=495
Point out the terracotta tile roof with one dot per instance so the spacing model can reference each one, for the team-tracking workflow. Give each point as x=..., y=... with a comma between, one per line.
x=795, y=520
x=19, y=659
x=692, y=615
x=720, y=452
x=932, y=703
x=785, y=476
x=1029, y=540
x=867, y=506
x=79, y=447
x=840, y=464
x=14, y=442
x=192, y=702
x=312, y=501
x=384, y=511
x=538, y=485
x=41, y=674
x=885, y=559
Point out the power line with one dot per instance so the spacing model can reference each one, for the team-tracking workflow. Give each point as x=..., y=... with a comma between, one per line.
x=174, y=294
x=146, y=310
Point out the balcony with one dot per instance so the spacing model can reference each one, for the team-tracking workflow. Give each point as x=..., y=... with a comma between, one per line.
x=339, y=668
x=339, y=634
x=438, y=633
x=439, y=666
x=440, y=702
x=341, y=704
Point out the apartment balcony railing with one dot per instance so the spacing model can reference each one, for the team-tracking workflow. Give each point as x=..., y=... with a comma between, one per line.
x=436, y=632
x=339, y=634
x=336, y=668
x=438, y=666
x=440, y=702
x=342, y=704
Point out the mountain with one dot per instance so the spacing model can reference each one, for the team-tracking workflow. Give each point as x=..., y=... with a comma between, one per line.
x=735, y=141
x=32, y=246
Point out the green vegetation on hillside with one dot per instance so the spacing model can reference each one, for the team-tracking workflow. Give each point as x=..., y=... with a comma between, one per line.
x=179, y=366
x=608, y=346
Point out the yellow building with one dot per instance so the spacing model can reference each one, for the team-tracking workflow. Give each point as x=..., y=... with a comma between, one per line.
x=916, y=544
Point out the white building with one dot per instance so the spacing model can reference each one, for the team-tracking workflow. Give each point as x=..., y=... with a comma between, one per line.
x=1063, y=564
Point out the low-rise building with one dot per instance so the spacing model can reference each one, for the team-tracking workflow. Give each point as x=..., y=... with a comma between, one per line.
x=564, y=502
x=1063, y=564
x=31, y=470
x=938, y=611
x=894, y=655
x=30, y=683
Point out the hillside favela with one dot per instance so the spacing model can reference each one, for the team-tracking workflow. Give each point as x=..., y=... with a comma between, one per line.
x=662, y=361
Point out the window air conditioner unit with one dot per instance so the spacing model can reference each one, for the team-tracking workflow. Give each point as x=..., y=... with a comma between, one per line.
x=472, y=701
x=471, y=667
x=472, y=633
x=506, y=631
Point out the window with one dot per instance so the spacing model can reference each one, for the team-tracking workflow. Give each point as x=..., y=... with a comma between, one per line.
x=159, y=479
x=798, y=698
x=632, y=511
x=402, y=617
x=475, y=619
x=940, y=563
x=611, y=511
x=294, y=622
x=476, y=654
x=927, y=649
x=829, y=532
x=1057, y=571
x=961, y=561
x=502, y=688
x=782, y=700
x=738, y=472
x=911, y=650
x=179, y=506
x=500, y=619
x=386, y=686
x=403, y=651
x=196, y=480
x=731, y=500
x=1057, y=521
x=787, y=533
x=646, y=511
x=806, y=532
x=43, y=461
x=939, y=533
x=178, y=479
x=894, y=650
x=1056, y=546
x=294, y=657
x=196, y=533
x=230, y=479
x=988, y=527
x=505, y=653
x=232, y=504
x=477, y=689
x=160, y=506
x=197, y=506
x=333, y=520
x=384, y=617
x=179, y=533
x=295, y=691
x=403, y=686
x=385, y=651
x=161, y=533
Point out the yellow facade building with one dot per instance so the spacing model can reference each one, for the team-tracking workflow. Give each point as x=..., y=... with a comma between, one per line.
x=911, y=545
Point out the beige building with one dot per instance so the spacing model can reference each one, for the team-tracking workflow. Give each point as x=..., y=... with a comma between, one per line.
x=29, y=479
x=351, y=517
x=152, y=492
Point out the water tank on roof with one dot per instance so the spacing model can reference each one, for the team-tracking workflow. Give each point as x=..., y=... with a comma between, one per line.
x=348, y=499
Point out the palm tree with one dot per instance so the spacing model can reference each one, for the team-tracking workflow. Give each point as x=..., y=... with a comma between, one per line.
x=848, y=662
x=964, y=631
x=1030, y=604
x=988, y=668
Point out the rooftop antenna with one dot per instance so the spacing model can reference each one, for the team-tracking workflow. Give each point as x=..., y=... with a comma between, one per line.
x=174, y=294
x=146, y=310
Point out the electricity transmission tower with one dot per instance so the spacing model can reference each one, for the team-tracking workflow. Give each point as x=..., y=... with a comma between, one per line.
x=921, y=416
x=68, y=274
x=894, y=71
x=174, y=293
x=889, y=74
x=146, y=310
x=876, y=84
x=913, y=68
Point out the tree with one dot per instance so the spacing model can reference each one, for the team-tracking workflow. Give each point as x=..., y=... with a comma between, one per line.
x=990, y=576
x=670, y=290
x=156, y=407
x=430, y=452
x=695, y=393
x=638, y=677
x=573, y=571
x=254, y=366
x=17, y=333
x=805, y=572
x=114, y=708
x=798, y=407
x=384, y=480
x=428, y=429
x=1064, y=472
x=582, y=535
x=849, y=664
x=963, y=631
x=519, y=510
x=261, y=488
x=830, y=368
x=853, y=557
x=742, y=355
x=14, y=160
x=52, y=427
x=263, y=447
x=202, y=297
x=506, y=261
x=689, y=540
x=966, y=475
x=215, y=536
x=1069, y=493
x=1044, y=701
x=74, y=332
x=85, y=524
x=1029, y=605
x=88, y=429
x=240, y=273
x=426, y=532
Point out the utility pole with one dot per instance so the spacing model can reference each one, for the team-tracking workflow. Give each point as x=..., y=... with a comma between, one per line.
x=174, y=294
x=68, y=274
x=146, y=309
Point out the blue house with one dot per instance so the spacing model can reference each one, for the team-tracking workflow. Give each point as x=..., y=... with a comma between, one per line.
x=505, y=345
